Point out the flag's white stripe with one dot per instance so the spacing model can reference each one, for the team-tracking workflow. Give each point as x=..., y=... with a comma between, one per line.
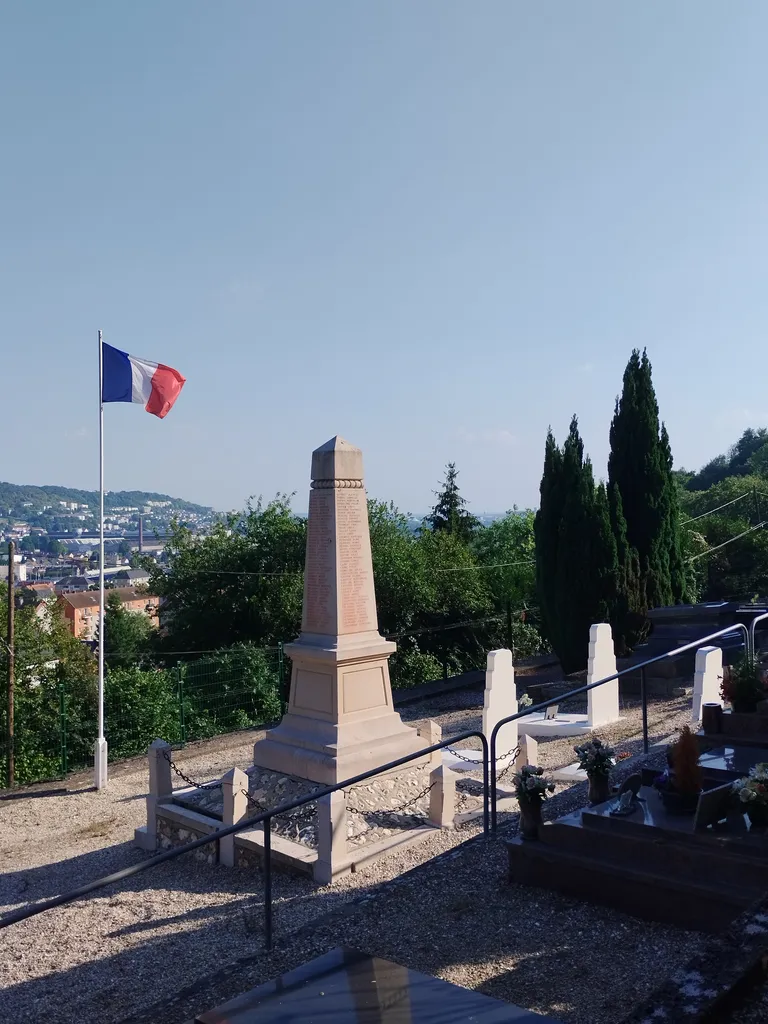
x=142, y=372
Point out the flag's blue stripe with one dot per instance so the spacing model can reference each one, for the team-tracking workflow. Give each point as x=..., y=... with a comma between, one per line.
x=117, y=380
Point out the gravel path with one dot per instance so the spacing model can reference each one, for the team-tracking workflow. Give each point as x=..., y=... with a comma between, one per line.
x=181, y=924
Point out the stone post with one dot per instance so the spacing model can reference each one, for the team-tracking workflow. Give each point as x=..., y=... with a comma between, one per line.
x=234, y=790
x=429, y=734
x=331, y=835
x=707, y=677
x=500, y=700
x=160, y=788
x=602, y=702
x=529, y=752
x=442, y=797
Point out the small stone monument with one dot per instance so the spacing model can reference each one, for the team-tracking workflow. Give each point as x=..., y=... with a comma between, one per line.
x=603, y=701
x=340, y=719
x=500, y=700
x=707, y=678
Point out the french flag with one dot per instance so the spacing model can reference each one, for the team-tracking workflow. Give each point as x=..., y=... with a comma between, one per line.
x=127, y=378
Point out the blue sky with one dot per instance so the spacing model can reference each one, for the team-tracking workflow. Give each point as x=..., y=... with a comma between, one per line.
x=432, y=227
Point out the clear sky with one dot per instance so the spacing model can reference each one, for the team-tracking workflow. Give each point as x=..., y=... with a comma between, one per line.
x=432, y=227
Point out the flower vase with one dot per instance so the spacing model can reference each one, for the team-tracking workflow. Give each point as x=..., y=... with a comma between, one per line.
x=530, y=818
x=599, y=788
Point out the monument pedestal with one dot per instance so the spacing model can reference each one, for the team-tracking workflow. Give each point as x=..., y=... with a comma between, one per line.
x=340, y=720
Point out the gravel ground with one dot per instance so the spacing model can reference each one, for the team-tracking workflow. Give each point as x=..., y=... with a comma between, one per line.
x=123, y=950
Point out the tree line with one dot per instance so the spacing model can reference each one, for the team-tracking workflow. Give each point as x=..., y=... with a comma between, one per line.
x=608, y=552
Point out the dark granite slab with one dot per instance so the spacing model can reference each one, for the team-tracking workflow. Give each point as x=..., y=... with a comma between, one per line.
x=732, y=762
x=347, y=987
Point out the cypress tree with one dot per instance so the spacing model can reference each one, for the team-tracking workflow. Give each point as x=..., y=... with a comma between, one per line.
x=640, y=473
x=546, y=530
x=576, y=558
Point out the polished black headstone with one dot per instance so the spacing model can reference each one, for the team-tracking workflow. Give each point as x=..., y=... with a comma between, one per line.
x=732, y=762
x=347, y=987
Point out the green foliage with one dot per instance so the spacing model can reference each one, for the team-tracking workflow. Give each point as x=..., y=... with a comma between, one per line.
x=576, y=556
x=48, y=659
x=640, y=470
x=748, y=456
x=450, y=514
x=141, y=705
x=235, y=689
x=243, y=583
x=724, y=568
x=509, y=542
x=129, y=637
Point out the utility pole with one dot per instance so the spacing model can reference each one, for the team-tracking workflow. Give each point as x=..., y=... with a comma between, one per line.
x=11, y=664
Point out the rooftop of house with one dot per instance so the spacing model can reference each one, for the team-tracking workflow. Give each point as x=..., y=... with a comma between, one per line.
x=90, y=598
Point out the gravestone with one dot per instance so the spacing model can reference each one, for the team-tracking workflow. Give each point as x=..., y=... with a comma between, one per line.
x=340, y=720
x=500, y=700
x=603, y=701
x=707, y=678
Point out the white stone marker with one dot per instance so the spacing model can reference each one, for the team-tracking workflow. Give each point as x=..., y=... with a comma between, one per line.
x=529, y=753
x=234, y=789
x=707, y=678
x=429, y=734
x=500, y=700
x=603, y=701
x=442, y=797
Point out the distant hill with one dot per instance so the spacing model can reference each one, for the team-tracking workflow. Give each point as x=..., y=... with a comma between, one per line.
x=748, y=457
x=14, y=496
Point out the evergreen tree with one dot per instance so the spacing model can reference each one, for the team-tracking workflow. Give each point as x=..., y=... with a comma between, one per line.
x=640, y=472
x=546, y=530
x=576, y=559
x=450, y=514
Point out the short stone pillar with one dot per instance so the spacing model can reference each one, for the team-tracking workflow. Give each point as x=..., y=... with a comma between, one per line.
x=707, y=677
x=235, y=792
x=528, y=753
x=431, y=733
x=500, y=700
x=160, y=788
x=603, y=701
x=442, y=797
x=331, y=836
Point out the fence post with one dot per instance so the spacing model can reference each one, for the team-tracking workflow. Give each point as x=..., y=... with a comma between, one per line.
x=180, y=694
x=160, y=789
x=235, y=794
x=63, y=728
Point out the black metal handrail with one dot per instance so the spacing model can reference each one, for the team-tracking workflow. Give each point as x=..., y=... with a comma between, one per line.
x=752, y=651
x=739, y=626
x=266, y=818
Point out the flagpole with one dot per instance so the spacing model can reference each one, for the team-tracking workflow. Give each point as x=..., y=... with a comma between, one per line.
x=100, y=753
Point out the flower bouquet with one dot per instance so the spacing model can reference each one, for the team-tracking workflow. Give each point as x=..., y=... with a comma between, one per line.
x=596, y=759
x=752, y=794
x=531, y=790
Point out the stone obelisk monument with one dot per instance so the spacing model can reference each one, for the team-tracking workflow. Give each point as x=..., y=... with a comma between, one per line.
x=340, y=720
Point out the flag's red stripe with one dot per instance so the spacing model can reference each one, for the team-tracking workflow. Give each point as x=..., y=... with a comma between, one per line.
x=166, y=388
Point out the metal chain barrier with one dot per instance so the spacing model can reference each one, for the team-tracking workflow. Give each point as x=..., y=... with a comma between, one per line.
x=185, y=778
x=388, y=811
x=512, y=754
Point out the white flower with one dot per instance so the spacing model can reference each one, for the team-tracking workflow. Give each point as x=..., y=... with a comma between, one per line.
x=745, y=796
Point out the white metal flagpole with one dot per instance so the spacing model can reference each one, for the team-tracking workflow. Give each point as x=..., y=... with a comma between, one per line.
x=100, y=752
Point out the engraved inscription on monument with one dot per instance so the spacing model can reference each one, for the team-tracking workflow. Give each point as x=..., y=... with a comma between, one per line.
x=357, y=604
x=319, y=591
